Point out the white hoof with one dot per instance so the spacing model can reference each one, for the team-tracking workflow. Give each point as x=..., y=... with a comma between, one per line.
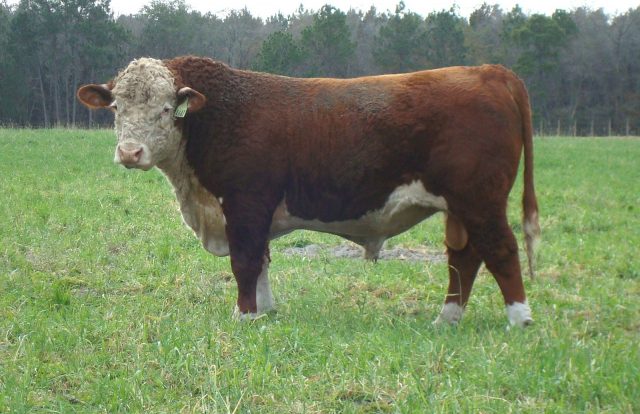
x=519, y=314
x=451, y=314
x=238, y=316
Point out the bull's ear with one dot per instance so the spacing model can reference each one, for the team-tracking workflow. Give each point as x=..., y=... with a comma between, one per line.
x=95, y=96
x=196, y=99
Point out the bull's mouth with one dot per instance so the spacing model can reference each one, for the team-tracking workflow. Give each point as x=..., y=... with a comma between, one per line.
x=143, y=167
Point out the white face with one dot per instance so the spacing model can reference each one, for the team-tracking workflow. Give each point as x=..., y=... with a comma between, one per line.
x=144, y=105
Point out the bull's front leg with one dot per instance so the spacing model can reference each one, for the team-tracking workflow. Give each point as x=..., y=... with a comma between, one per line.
x=248, y=233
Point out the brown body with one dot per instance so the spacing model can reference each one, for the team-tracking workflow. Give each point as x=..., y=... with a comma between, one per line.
x=317, y=153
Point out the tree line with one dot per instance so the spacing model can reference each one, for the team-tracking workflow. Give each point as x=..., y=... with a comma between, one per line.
x=582, y=67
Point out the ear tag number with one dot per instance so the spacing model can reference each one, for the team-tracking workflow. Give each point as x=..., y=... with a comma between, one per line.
x=181, y=110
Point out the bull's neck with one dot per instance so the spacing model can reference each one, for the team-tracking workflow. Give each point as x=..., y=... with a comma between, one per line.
x=179, y=173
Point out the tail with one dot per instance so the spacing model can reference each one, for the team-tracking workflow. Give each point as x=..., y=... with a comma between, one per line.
x=530, y=224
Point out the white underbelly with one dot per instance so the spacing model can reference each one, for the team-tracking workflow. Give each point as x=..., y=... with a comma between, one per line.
x=406, y=206
x=373, y=225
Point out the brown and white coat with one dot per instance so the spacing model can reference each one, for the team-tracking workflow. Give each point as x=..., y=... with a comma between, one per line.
x=259, y=155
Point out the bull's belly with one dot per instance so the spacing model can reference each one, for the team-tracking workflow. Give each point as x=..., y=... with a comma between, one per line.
x=373, y=225
x=406, y=206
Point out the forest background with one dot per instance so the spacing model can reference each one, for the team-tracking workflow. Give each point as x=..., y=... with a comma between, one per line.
x=582, y=66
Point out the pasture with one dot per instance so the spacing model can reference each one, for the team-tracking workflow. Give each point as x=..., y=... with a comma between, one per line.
x=109, y=304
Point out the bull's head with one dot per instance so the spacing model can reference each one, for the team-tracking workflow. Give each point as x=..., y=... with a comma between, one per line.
x=144, y=98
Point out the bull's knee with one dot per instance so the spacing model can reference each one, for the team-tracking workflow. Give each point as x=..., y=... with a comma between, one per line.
x=456, y=236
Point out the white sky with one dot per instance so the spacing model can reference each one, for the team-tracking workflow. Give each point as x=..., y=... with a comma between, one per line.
x=265, y=8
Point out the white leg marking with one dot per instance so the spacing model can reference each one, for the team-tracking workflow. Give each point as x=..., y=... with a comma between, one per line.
x=264, y=297
x=451, y=313
x=519, y=314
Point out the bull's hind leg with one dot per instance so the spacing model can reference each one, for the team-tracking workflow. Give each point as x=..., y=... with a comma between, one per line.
x=495, y=243
x=464, y=263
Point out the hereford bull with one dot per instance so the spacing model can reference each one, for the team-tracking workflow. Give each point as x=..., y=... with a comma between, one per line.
x=257, y=156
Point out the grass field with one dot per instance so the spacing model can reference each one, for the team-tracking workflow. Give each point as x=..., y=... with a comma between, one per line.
x=109, y=304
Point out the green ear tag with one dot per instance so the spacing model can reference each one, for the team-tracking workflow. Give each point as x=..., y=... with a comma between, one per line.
x=181, y=110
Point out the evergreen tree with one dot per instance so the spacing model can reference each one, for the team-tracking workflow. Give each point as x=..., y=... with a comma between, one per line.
x=541, y=39
x=445, y=39
x=399, y=44
x=242, y=36
x=327, y=44
x=482, y=35
x=364, y=30
x=170, y=29
x=279, y=54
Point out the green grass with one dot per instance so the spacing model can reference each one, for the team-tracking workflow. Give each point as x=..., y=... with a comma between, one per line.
x=109, y=304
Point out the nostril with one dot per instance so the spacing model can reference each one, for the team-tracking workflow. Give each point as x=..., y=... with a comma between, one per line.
x=122, y=154
x=137, y=154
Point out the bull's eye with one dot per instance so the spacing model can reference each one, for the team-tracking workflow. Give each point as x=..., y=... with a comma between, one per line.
x=166, y=110
x=113, y=106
